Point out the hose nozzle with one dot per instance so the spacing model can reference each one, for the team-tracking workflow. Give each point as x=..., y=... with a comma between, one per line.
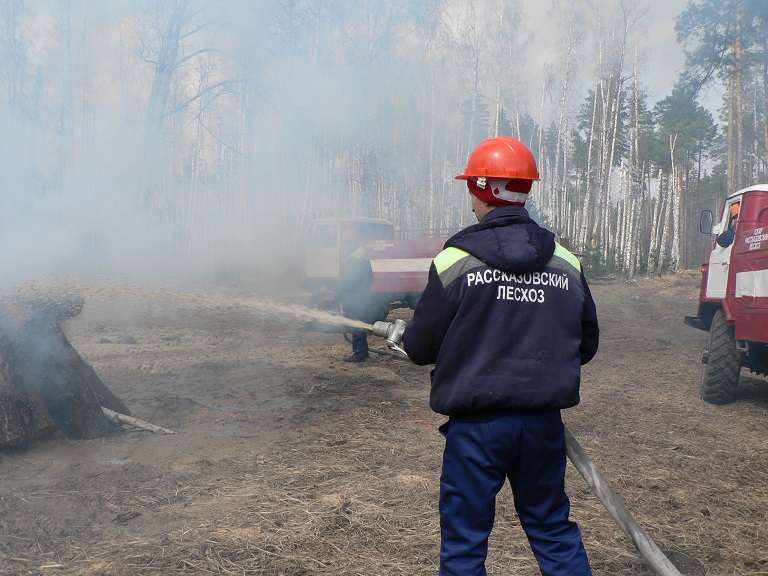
x=392, y=331
x=380, y=328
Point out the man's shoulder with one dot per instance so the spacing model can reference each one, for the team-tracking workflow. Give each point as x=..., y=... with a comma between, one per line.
x=448, y=257
x=568, y=258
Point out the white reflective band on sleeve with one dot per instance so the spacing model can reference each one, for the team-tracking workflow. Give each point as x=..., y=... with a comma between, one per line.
x=401, y=264
x=753, y=283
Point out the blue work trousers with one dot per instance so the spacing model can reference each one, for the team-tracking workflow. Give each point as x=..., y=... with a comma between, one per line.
x=360, y=343
x=529, y=450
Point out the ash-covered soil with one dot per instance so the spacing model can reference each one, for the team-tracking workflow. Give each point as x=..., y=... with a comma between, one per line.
x=287, y=461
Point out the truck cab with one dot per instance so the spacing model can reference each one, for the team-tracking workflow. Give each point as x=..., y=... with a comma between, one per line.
x=325, y=251
x=733, y=297
x=400, y=266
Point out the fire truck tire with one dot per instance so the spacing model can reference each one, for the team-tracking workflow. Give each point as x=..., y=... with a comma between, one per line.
x=721, y=372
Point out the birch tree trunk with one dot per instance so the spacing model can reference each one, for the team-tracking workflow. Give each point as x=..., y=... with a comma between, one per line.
x=764, y=78
x=167, y=61
x=674, y=184
x=739, y=92
x=474, y=52
x=664, y=239
x=732, y=180
x=654, y=250
x=621, y=204
x=586, y=237
x=560, y=180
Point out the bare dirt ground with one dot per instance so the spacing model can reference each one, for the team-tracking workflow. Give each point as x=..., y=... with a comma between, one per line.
x=287, y=461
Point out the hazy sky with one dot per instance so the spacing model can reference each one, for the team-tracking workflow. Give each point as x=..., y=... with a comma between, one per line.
x=664, y=57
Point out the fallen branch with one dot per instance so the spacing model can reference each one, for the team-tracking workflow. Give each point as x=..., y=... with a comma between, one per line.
x=123, y=419
x=617, y=509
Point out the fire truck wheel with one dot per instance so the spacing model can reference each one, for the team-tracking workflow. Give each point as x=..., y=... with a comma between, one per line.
x=721, y=372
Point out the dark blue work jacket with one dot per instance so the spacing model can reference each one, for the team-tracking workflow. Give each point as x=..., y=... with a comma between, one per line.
x=507, y=319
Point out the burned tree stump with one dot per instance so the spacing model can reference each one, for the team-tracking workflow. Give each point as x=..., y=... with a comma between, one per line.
x=48, y=371
x=23, y=415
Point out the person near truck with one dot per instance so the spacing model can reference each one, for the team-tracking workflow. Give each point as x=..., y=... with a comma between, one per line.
x=354, y=292
x=507, y=319
x=726, y=238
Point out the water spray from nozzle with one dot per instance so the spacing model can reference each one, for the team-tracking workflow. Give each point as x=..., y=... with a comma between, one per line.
x=392, y=331
x=76, y=289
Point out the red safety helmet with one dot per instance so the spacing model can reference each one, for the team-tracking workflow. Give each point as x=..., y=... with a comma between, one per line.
x=501, y=157
x=501, y=171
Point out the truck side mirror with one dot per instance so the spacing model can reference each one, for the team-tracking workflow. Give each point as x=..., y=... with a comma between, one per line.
x=705, y=222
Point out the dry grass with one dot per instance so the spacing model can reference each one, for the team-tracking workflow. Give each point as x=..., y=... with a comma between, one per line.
x=331, y=506
x=363, y=502
x=348, y=484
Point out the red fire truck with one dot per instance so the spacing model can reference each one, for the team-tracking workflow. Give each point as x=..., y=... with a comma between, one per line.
x=733, y=300
x=400, y=265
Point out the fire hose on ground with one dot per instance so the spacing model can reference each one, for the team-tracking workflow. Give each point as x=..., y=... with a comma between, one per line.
x=393, y=332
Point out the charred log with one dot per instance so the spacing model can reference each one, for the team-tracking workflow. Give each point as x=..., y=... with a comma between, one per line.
x=50, y=371
x=23, y=415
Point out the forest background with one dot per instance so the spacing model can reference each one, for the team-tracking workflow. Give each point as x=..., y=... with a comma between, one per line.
x=166, y=136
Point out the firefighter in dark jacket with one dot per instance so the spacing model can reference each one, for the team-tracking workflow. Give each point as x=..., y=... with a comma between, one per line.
x=354, y=293
x=507, y=319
